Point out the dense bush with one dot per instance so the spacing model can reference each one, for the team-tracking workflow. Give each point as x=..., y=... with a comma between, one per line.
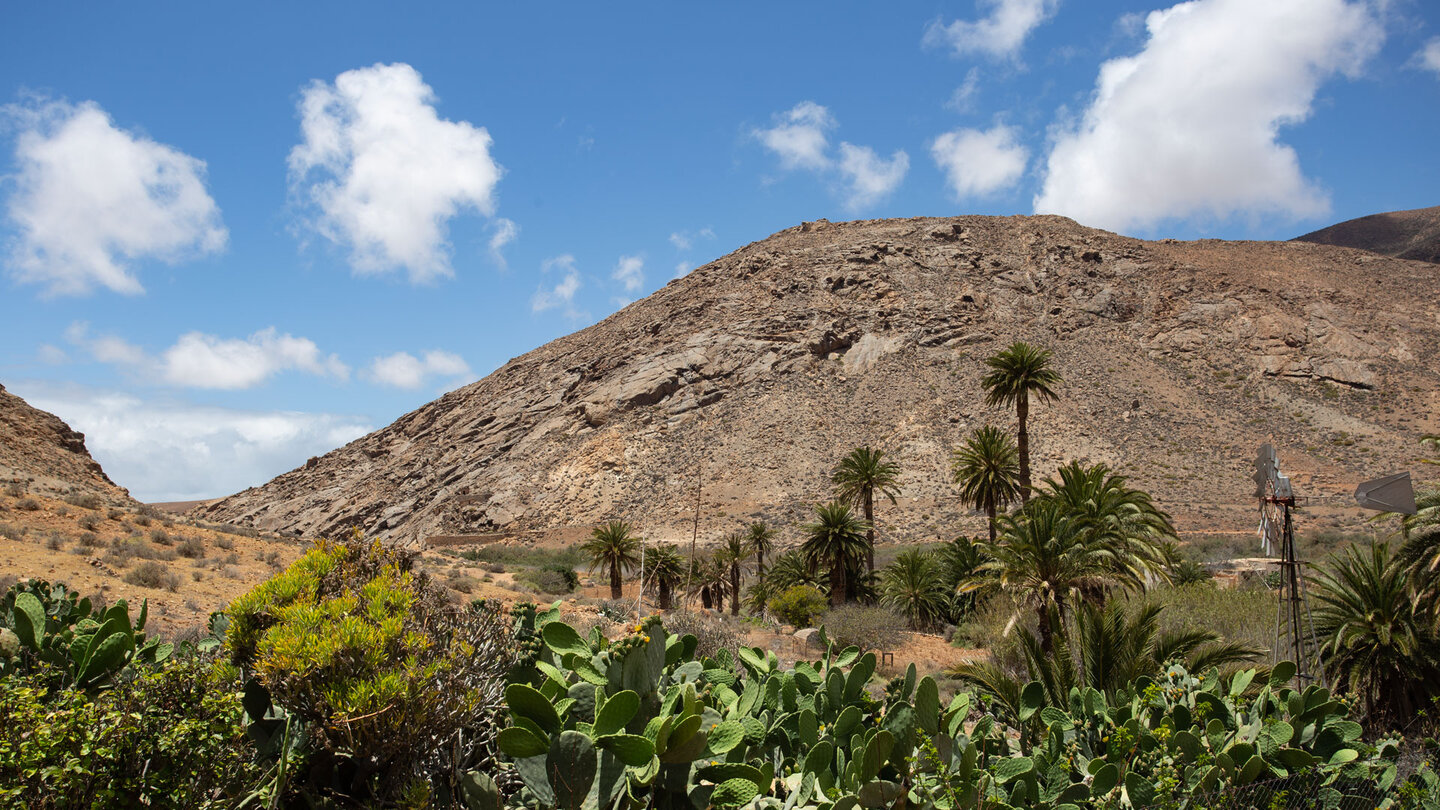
x=799, y=605
x=395, y=689
x=151, y=574
x=866, y=627
x=555, y=579
x=168, y=738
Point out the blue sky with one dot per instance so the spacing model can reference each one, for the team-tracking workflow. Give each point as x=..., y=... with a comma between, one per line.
x=234, y=237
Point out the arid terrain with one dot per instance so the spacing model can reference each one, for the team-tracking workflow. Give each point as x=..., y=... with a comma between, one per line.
x=748, y=378
x=1411, y=234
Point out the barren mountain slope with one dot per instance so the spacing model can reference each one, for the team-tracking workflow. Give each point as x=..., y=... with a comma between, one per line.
x=40, y=451
x=1403, y=234
x=754, y=373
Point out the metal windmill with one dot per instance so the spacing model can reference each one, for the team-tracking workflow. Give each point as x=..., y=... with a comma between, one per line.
x=1294, y=629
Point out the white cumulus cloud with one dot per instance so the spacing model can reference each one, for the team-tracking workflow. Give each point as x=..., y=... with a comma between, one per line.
x=386, y=173
x=165, y=450
x=91, y=200
x=1000, y=34
x=979, y=162
x=198, y=360
x=562, y=293
x=798, y=137
x=503, y=232
x=1428, y=56
x=404, y=370
x=1189, y=127
x=870, y=178
x=629, y=271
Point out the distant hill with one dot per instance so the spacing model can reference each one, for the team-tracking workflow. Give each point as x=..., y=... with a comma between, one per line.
x=1401, y=234
x=749, y=377
x=40, y=451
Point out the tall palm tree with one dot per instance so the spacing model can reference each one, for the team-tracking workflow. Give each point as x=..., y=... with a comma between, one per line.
x=858, y=478
x=612, y=547
x=735, y=553
x=1373, y=646
x=665, y=570
x=712, y=579
x=914, y=586
x=835, y=541
x=1016, y=374
x=988, y=471
x=1043, y=559
x=762, y=539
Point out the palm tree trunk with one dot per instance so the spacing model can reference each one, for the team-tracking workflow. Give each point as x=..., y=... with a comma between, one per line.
x=760, y=563
x=839, y=593
x=705, y=597
x=870, y=533
x=664, y=594
x=1022, y=441
x=990, y=513
x=1047, y=634
x=734, y=589
x=615, y=592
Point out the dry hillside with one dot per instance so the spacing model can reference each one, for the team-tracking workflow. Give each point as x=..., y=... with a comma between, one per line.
x=45, y=455
x=753, y=374
x=1402, y=234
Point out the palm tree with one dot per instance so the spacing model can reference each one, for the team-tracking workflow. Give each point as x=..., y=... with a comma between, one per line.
x=1373, y=646
x=665, y=569
x=914, y=586
x=987, y=470
x=857, y=479
x=836, y=541
x=762, y=539
x=1108, y=648
x=1116, y=515
x=1419, y=554
x=735, y=553
x=612, y=547
x=1017, y=373
x=1043, y=560
x=712, y=579
x=962, y=560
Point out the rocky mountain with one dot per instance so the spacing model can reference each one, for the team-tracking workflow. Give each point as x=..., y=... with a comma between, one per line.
x=738, y=386
x=1403, y=234
x=43, y=454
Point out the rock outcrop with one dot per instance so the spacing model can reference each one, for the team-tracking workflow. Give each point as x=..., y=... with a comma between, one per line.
x=42, y=454
x=748, y=378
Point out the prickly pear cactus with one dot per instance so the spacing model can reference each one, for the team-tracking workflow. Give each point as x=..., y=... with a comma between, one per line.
x=9, y=643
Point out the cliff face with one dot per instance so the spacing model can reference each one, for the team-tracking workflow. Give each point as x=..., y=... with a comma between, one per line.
x=38, y=449
x=1411, y=234
x=752, y=375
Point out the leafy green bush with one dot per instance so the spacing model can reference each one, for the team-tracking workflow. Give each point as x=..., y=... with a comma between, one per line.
x=168, y=738
x=799, y=605
x=866, y=627
x=395, y=688
x=68, y=641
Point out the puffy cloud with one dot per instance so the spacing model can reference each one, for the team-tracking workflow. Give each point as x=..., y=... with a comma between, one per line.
x=979, y=162
x=798, y=137
x=629, y=271
x=404, y=370
x=799, y=140
x=869, y=177
x=386, y=173
x=562, y=294
x=198, y=360
x=1000, y=34
x=503, y=232
x=1428, y=57
x=204, y=361
x=92, y=199
x=1189, y=127
x=176, y=451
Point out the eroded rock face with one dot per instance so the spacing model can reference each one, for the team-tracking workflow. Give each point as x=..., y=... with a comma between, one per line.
x=753, y=374
x=46, y=455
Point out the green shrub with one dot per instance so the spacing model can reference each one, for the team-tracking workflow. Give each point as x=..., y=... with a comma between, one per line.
x=169, y=738
x=556, y=579
x=398, y=689
x=866, y=627
x=800, y=605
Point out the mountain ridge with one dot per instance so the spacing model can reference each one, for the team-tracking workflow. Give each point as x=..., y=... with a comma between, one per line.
x=755, y=372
